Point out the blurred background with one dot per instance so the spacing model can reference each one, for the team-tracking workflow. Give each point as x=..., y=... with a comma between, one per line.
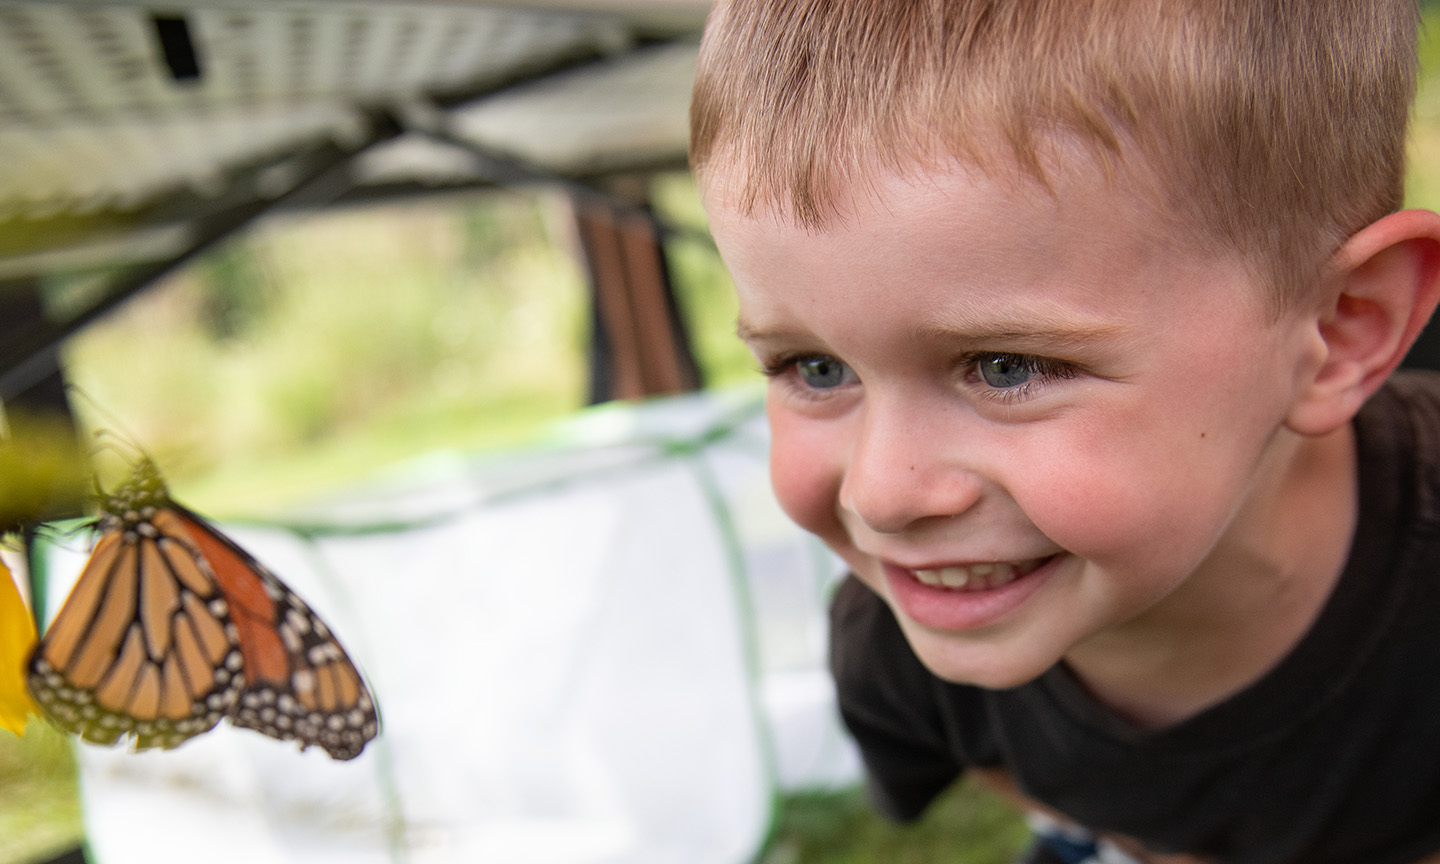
x=288, y=247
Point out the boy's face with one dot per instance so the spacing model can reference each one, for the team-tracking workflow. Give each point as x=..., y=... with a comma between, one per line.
x=1032, y=398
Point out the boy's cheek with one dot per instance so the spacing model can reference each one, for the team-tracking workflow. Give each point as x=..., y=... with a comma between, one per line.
x=802, y=494
x=806, y=483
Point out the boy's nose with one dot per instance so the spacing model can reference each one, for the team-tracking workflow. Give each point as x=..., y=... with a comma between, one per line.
x=903, y=472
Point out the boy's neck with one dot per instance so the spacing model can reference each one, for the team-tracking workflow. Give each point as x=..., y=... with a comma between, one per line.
x=1252, y=601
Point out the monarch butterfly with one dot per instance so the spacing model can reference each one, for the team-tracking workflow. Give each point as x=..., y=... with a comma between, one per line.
x=171, y=626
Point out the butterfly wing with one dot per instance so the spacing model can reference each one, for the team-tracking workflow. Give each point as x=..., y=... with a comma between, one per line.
x=144, y=645
x=300, y=685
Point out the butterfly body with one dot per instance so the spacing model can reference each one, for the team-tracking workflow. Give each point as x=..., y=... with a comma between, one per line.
x=171, y=627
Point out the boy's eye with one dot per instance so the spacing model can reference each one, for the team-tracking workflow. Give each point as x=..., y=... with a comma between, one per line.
x=1017, y=375
x=821, y=372
x=1002, y=371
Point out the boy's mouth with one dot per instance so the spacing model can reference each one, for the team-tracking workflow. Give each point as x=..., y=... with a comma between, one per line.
x=979, y=577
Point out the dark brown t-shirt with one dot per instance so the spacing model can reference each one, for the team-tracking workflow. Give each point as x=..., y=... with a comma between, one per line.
x=1331, y=758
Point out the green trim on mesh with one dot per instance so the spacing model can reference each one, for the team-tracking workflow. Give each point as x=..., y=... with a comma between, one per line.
x=652, y=452
x=749, y=632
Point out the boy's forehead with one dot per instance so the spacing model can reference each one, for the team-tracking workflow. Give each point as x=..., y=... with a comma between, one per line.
x=942, y=190
x=887, y=222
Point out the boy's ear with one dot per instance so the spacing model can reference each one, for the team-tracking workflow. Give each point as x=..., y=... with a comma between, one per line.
x=1381, y=287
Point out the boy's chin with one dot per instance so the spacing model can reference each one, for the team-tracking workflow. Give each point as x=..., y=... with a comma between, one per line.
x=977, y=663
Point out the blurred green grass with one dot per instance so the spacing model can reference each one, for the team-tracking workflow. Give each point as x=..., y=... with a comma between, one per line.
x=312, y=350
x=965, y=825
x=39, y=796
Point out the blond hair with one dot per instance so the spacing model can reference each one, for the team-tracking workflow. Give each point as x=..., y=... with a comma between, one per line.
x=1275, y=128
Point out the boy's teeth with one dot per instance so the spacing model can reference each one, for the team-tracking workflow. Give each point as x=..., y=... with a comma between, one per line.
x=974, y=577
x=954, y=577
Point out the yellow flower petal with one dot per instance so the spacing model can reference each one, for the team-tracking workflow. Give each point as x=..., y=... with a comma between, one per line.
x=17, y=640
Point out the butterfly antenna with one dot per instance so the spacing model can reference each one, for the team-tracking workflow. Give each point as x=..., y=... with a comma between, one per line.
x=107, y=434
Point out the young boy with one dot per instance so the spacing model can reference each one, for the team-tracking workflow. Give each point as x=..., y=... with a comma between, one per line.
x=1078, y=317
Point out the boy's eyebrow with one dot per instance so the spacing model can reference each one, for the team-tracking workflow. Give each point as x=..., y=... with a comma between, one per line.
x=748, y=332
x=1052, y=335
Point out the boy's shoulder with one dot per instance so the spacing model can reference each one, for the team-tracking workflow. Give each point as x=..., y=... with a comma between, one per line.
x=869, y=656
x=1414, y=392
x=1398, y=446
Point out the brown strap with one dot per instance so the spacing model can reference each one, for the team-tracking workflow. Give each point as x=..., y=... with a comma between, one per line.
x=640, y=346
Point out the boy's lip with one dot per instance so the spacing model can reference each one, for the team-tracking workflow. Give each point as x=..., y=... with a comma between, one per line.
x=978, y=594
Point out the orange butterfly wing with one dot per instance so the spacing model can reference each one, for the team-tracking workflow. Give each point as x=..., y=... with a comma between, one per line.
x=172, y=626
x=300, y=684
x=143, y=646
